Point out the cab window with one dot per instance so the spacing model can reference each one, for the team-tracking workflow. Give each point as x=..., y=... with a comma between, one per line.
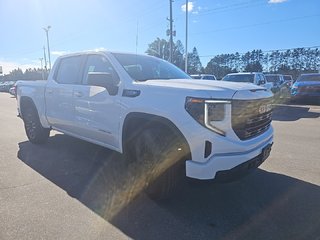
x=98, y=64
x=69, y=70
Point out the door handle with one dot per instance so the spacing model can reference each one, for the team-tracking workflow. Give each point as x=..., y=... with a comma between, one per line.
x=78, y=94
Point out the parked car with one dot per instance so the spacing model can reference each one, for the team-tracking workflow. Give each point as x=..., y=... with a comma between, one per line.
x=307, y=86
x=2, y=86
x=204, y=76
x=13, y=89
x=288, y=79
x=256, y=78
x=152, y=112
x=279, y=87
x=5, y=87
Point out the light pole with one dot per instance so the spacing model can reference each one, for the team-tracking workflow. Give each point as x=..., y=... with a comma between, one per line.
x=45, y=58
x=186, y=51
x=171, y=38
x=41, y=59
x=47, y=34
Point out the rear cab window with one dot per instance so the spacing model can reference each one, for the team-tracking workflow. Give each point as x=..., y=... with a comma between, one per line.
x=69, y=70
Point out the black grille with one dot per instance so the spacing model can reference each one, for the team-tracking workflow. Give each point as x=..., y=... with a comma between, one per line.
x=250, y=118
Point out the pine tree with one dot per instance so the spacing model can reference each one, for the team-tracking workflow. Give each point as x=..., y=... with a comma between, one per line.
x=194, y=63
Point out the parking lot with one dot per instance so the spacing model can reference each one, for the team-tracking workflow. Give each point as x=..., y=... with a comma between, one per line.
x=58, y=190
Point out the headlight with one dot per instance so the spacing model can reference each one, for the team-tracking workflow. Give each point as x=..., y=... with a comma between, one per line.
x=207, y=112
x=294, y=89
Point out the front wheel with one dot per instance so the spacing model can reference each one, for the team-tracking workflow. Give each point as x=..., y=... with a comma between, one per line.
x=159, y=155
x=34, y=130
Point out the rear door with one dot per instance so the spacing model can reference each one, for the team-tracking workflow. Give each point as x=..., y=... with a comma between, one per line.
x=59, y=93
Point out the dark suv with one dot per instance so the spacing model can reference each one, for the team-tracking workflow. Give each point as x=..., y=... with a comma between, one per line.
x=279, y=85
x=306, y=86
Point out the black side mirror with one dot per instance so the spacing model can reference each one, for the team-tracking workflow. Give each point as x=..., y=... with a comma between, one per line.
x=103, y=79
x=261, y=82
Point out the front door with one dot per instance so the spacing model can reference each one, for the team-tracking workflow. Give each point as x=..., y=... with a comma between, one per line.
x=97, y=109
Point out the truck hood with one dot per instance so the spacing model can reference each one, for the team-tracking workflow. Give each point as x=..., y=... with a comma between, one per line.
x=209, y=88
x=307, y=83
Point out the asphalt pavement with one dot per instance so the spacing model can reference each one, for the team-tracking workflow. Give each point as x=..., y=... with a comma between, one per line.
x=62, y=190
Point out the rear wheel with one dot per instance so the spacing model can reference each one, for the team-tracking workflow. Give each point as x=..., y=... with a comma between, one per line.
x=34, y=130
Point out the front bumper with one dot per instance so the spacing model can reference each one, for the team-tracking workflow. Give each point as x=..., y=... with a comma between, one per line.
x=309, y=93
x=244, y=168
x=232, y=164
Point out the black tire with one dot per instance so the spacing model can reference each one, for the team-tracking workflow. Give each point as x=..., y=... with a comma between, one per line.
x=158, y=155
x=167, y=183
x=32, y=125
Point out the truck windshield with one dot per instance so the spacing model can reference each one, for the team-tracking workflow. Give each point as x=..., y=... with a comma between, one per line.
x=287, y=78
x=272, y=78
x=239, y=78
x=143, y=68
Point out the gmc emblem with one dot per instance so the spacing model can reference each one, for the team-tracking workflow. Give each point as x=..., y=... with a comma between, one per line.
x=265, y=108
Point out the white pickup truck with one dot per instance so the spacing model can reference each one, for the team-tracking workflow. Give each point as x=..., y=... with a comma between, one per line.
x=151, y=111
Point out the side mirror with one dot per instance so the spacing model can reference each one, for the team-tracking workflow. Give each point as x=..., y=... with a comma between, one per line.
x=261, y=82
x=103, y=79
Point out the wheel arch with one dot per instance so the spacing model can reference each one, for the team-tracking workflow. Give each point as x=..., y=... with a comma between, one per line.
x=145, y=120
x=26, y=102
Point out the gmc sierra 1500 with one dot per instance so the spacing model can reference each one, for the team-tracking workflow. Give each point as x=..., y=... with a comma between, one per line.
x=153, y=112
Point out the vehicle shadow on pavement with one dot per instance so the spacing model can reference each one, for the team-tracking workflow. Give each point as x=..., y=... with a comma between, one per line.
x=292, y=113
x=87, y=172
x=262, y=205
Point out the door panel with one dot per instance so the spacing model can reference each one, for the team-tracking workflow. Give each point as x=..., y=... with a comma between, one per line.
x=59, y=106
x=97, y=113
x=59, y=93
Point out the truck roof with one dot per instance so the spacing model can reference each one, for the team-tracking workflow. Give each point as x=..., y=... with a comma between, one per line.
x=99, y=51
x=244, y=73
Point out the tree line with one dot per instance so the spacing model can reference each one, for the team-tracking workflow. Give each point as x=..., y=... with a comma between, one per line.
x=291, y=61
x=28, y=74
x=161, y=48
